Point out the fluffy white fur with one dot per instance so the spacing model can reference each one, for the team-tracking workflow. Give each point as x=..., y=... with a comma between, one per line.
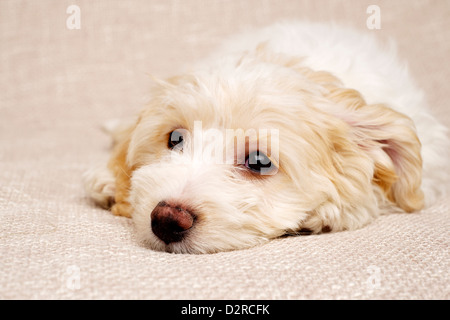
x=349, y=117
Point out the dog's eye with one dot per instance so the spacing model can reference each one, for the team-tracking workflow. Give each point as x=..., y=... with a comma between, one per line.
x=175, y=140
x=258, y=162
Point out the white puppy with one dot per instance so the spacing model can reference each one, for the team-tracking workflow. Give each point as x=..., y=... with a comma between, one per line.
x=292, y=129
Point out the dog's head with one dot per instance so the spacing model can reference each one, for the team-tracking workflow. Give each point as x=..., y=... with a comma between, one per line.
x=230, y=157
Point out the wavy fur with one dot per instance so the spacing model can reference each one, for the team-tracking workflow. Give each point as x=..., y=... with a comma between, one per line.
x=355, y=140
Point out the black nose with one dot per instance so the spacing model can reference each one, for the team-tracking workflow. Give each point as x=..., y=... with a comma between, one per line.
x=171, y=222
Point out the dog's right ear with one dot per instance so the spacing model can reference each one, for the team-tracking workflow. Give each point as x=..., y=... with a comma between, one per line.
x=119, y=167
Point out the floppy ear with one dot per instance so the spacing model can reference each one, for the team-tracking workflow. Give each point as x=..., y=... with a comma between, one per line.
x=390, y=139
x=121, y=170
x=387, y=136
x=120, y=164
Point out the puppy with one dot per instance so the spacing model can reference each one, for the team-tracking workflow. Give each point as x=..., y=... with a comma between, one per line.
x=297, y=128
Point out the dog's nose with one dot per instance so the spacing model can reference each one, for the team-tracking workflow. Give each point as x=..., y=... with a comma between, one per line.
x=171, y=222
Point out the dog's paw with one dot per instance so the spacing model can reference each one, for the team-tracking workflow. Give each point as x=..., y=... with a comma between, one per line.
x=100, y=186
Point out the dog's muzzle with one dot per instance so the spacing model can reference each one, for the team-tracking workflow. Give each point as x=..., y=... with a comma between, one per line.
x=171, y=222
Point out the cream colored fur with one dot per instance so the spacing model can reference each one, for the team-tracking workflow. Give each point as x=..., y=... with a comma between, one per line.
x=355, y=140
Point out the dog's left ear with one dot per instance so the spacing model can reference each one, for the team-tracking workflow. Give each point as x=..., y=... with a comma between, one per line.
x=390, y=139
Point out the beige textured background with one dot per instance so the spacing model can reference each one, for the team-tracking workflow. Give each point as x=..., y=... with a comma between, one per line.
x=58, y=85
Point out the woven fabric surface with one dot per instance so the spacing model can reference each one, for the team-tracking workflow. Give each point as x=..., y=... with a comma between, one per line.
x=58, y=85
